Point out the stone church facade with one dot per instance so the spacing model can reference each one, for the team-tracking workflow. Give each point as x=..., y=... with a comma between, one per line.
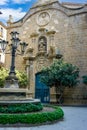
x=52, y=30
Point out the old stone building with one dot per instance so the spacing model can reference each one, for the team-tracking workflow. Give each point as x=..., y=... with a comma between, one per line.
x=3, y=34
x=51, y=28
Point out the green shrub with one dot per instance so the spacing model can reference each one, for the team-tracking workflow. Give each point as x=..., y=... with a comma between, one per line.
x=3, y=75
x=20, y=108
x=36, y=118
x=85, y=79
x=22, y=77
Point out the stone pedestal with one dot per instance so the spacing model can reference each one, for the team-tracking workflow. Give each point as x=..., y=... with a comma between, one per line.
x=11, y=82
x=13, y=93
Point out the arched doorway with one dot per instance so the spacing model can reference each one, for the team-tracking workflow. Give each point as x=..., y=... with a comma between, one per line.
x=42, y=91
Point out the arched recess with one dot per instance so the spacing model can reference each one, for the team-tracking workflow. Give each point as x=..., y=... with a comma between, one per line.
x=42, y=43
x=42, y=91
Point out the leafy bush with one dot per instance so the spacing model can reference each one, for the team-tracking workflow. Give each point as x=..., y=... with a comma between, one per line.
x=85, y=79
x=22, y=77
x=20, y=108
x=36, y=118
x=3, y=75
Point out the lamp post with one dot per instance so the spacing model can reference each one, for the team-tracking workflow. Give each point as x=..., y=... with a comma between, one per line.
x=12, y=80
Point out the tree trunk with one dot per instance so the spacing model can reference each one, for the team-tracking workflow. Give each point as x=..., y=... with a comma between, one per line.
x=59, y=94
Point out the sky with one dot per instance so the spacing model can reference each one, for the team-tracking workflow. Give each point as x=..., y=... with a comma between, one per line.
x=18, y=8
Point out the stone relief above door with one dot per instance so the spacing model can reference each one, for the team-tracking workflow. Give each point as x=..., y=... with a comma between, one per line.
x=42, y=61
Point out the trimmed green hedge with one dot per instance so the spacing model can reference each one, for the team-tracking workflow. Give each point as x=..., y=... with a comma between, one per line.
x=20, y=108
x=36, y=118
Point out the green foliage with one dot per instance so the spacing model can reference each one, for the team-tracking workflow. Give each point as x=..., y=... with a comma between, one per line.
x=23, y=81
x=22, y=77
x=60, y=73
x=20, y=108
x=34, y=118
x=3, y=75
x=85, y=79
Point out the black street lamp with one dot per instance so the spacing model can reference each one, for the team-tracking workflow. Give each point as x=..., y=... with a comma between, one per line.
x=12, y=80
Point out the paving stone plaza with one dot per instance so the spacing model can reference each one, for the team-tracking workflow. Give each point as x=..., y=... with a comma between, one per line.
x=75, y=119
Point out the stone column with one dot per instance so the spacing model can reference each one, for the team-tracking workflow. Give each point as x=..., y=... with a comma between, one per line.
x=28, y=72
x=31, y=73
x=51, y=37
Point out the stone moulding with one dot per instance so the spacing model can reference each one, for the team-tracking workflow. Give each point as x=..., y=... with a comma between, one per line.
x=34, y=35
x=42, y=29
x=29, y=57
x=51, y=32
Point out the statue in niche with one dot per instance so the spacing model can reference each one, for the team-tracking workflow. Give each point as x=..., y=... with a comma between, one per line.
x=42, y=45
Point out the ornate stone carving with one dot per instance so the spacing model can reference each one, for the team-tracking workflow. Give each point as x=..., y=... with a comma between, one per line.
x=29, y=54
x=42, y=45
x=43, y=19
x=41, y=62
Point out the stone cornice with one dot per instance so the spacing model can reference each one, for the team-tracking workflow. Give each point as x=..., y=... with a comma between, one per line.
x=28, y=57
x=51, y=32
x=34, y=35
